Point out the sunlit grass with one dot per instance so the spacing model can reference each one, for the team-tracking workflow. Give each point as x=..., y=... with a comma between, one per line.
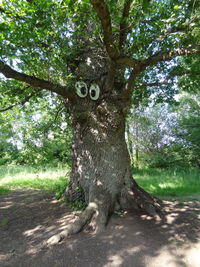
x=44, y=178
x=170, y=183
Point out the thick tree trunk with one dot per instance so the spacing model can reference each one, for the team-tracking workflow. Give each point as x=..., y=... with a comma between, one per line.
x=101, y=171
x=101, y=161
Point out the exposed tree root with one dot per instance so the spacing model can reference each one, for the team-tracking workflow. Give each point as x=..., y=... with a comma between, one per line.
x=75, y=227
x=131, y=198
x=152, y=205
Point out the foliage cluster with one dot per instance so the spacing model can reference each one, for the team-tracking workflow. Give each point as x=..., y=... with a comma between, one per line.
x=165, y=136
x=162, y=136
x=40, y=133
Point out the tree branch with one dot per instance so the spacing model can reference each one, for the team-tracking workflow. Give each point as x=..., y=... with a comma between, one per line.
x=53, y=121
x=26, y=99
x=165, y=82
x=124, y=24
x=36, y=83
x=128, y=62
x=177, y=29
x=153, y=60
x=184, y=73
x=167, y=56
x=105, y=19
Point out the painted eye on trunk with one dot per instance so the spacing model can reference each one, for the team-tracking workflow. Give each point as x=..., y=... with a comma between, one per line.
x=81, y=89
x=94, y=91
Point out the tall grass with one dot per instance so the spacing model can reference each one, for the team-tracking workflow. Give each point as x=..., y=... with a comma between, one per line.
x=52, y=179
x=171, y=182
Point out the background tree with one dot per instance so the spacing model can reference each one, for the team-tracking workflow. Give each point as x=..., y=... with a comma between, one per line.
x=8, y=150
x=110, y=48
x=188, y=127
x=152, y=133
x=38, y=132
x=165, y=135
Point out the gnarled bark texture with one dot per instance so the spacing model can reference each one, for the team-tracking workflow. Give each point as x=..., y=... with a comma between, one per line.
x=101, y=172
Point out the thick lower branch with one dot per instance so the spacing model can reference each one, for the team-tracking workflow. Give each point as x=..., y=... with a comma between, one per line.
x=37, y=83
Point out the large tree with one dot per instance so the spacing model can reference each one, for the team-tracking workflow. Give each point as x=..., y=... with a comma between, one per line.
x=95, y=54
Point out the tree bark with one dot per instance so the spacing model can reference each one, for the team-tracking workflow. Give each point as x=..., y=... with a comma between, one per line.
x=101, y=171
x=100, y=156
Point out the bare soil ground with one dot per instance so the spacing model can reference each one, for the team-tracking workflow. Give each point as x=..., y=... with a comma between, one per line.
x=27, y=218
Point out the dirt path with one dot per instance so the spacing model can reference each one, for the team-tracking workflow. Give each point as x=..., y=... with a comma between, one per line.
x=134, y=240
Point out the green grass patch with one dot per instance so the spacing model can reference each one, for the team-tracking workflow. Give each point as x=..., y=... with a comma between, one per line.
x=171, y=183
x=166, y=184
x=4, y=190
x=44, y=178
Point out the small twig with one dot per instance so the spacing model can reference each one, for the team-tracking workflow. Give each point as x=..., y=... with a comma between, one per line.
x=18, y=103
x=54, y=120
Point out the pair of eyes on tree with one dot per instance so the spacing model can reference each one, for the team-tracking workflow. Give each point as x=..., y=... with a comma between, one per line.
x=82, y=90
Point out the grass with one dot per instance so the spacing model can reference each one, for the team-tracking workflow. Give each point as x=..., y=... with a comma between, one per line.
x=4, y=190
x=166, y=184
x=170, y=183
x=47, y=179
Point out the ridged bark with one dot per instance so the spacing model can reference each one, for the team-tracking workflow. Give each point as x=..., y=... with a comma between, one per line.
x=101, y=172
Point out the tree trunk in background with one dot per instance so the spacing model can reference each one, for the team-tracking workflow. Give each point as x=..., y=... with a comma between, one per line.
x=129, y=143
x=136, y=156
x=136, y=146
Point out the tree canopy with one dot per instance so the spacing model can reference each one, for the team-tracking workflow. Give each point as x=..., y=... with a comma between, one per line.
x=45, y=43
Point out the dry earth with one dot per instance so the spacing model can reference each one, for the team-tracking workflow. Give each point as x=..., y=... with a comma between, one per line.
x=28, y=217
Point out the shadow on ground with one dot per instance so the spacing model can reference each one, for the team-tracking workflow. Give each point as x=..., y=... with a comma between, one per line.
x=27, y=218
